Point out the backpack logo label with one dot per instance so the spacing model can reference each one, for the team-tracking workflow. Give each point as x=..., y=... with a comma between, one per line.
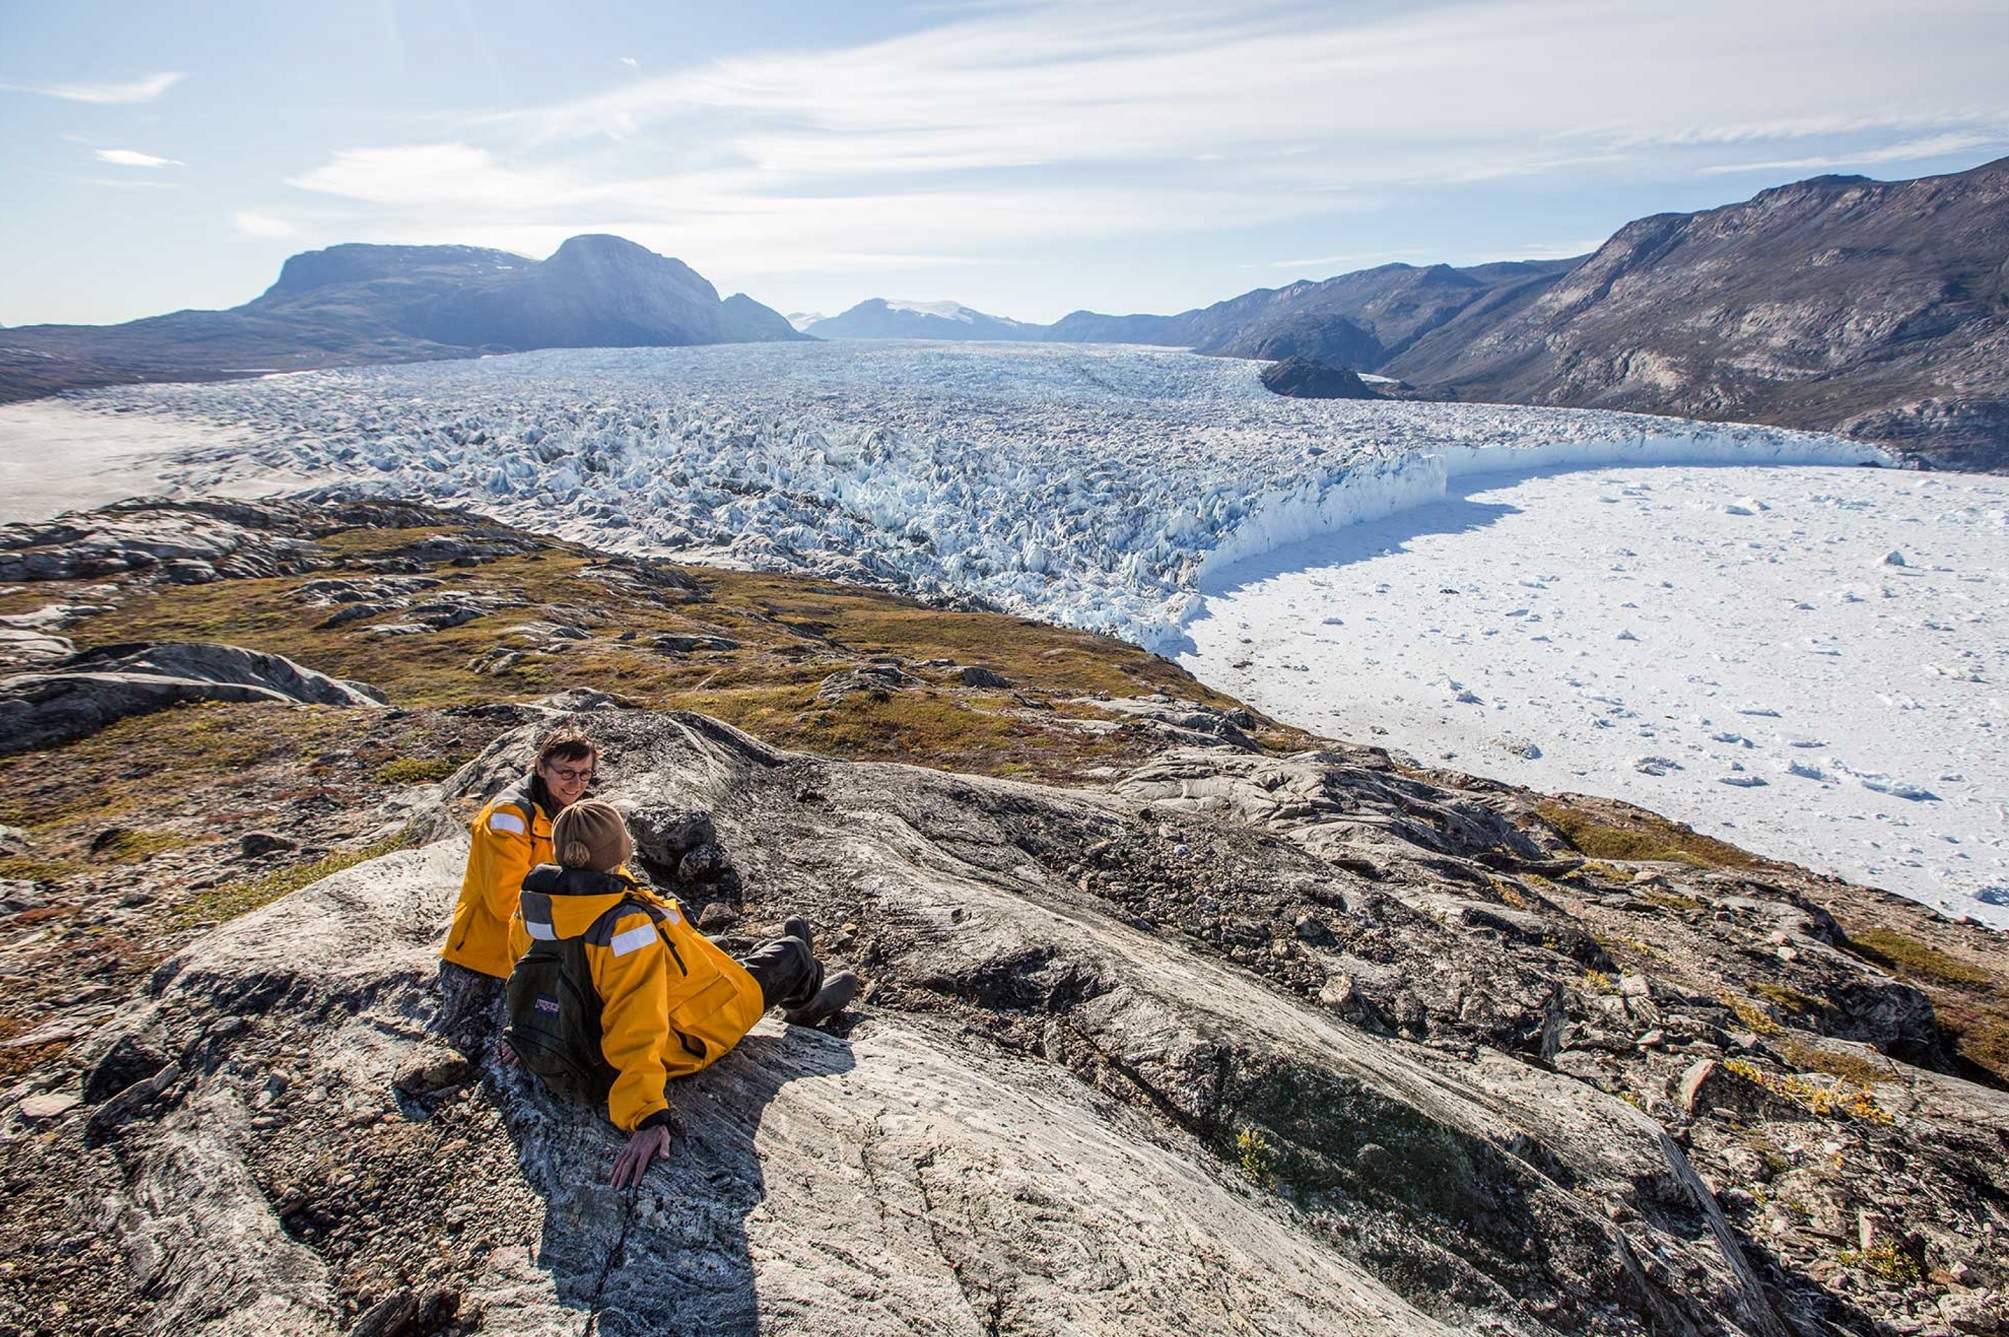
x=545, y=1003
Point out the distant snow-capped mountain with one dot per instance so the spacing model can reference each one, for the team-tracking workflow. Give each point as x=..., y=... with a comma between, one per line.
x=895, y=318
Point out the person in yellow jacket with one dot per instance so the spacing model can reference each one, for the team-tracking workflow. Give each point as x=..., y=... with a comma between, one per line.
x=509, y=836
x=671, y=1001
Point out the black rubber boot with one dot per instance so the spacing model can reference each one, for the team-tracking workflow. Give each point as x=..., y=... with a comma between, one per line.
x=837, y=991
x=795, y=926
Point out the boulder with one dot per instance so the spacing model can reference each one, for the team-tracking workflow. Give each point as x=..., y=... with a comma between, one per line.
x=99, y=687
x=976, y=675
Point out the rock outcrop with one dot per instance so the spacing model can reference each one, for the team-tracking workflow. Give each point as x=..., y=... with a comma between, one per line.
x=1302, y=378
x=1251, y=1043
x=89, y=691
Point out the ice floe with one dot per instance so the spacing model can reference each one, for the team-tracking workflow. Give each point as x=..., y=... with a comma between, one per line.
x=1812, y=733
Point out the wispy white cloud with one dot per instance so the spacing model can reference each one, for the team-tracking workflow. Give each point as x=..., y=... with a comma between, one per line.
x=1448, y=85
x=134, y=158
x=452, y=176
x=1347, y=259
x=1005, y=127
x=1910, y=150
x=263, y=226
x=136, y=90
x=130, y=182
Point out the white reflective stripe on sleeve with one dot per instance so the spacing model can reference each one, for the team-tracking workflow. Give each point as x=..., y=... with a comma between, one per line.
x=504, y=820
x=541, y=932
x=639, y=936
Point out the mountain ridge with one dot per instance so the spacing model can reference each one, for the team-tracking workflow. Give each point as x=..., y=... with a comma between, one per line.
x=1880, y=310
x=893, y=318
x=360, y=303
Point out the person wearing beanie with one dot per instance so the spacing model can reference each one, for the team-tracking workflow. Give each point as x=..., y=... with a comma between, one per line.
x=509, y=836
x=671, y=1000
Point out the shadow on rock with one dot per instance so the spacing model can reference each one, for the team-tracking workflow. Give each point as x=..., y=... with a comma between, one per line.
x=672, y=1254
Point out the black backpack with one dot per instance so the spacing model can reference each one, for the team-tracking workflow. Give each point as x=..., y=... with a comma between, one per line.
x=554, y=1013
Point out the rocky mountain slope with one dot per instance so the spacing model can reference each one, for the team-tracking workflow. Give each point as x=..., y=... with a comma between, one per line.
x=1358, y=321
x=359, y=304
x=1216, y=1028
x=879, y=318
x=1877, y=309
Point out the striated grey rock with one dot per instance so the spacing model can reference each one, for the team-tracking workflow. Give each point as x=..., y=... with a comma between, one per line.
x=1069, y=1103
x=22, y=649
x=1248, y=1043
x=100, y=687
x=875, y=680
x=684, y=644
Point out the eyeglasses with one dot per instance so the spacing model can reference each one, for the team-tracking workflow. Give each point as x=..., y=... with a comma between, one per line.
x=572, y=777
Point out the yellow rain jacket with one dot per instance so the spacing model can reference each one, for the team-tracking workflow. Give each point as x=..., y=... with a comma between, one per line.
x=511, y=836
x=671, y=1001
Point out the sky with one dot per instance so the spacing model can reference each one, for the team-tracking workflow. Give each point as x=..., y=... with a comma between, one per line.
x=1028, y=158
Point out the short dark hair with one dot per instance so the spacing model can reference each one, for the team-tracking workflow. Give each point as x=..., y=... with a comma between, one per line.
x=566, y=745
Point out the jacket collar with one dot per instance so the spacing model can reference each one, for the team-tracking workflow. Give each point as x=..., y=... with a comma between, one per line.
x=551, y=880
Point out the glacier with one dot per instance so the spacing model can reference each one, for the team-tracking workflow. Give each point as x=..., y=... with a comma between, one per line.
x=1095, y=486
x=1282, y=549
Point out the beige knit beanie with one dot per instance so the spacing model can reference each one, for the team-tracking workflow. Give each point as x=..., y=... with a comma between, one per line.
x=591, y=834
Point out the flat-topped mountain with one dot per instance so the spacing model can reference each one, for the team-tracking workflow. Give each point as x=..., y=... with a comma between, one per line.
x=361, y=303
x=884, y=318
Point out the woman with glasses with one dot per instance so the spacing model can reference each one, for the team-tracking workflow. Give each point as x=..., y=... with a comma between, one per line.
x=511, y=836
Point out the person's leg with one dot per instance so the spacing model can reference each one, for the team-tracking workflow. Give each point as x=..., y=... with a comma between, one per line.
x=786, y=970
x=470, y=1009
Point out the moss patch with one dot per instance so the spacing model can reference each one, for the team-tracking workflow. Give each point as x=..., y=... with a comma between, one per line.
x=1636, y=835
x=231, y=899
x=123, y=846
x=1970, y=1000
x=783, y=634
x=1792, y=1001
x=417, y=770
x=1920, y=961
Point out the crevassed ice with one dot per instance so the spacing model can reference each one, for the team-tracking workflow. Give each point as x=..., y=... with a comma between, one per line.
x=1091, y=485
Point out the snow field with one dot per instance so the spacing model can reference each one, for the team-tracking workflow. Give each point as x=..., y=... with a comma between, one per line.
x=1807, y=661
